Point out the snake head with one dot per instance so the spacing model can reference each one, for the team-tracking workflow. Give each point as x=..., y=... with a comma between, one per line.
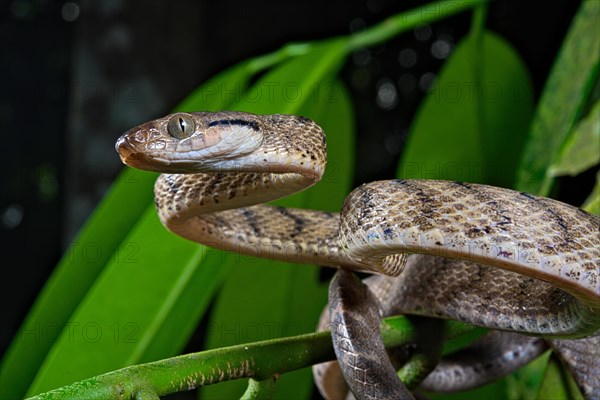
x=190, y=142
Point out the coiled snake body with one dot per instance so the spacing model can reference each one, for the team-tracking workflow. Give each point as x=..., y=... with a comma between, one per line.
x=488, y=256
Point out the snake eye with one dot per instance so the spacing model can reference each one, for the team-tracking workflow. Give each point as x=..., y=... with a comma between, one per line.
x=181, y=126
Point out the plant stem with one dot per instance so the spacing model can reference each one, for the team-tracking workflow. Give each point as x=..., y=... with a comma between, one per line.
x=261, y=361
x=376, y=34
x=476, y=65
x=265, y=61
x=259, y=390
x=411, y=19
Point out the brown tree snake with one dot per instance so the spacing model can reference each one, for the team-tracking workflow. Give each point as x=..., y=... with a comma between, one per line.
x=483, y=255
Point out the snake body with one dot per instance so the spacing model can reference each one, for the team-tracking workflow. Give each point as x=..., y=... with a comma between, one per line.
x=493, y=257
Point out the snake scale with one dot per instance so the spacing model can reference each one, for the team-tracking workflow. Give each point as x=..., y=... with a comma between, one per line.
x=484, y=255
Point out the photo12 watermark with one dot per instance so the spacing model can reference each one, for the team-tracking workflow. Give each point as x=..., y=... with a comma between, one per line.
x=86, y=332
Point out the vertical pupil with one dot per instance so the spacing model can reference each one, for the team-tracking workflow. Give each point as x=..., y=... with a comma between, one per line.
x=182, y=124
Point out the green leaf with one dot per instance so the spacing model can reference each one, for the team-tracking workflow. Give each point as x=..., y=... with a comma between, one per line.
x=472, y=123
x=525, y=383
x=103, y=233
x=565, y=94
x=229, y=87
x=266, y=299
x=592, y=203
x=151, y=326
x=557, y=384
x=296, y=81
x=76, y=272
x=582, y=150
x=219, y=92
x=117, y=321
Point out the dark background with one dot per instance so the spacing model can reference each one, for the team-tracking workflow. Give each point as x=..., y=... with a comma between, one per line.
x=75, y=75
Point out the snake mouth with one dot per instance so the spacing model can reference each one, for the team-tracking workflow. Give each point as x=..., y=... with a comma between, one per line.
x=132, y=157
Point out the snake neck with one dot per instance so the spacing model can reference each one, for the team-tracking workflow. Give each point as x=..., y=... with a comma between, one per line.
x=179, y=197
x=221, y=211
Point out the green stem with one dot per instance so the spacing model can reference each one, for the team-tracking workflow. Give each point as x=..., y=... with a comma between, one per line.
x=407, y=20
x=259, y=390
x=427, y=353
x=371, y=36
x=478, y=21
x=265, y=61
x=476, y=62
x=146, y=394
x=260, y=360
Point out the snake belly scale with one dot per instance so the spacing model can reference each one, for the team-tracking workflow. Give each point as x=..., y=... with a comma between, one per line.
x=533, y=261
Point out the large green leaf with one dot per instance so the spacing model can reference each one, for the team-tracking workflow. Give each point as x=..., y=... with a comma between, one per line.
x=557, y=383
x=96, y=243
x=582, y=149
x=524, y=384
x=265, y=299
x=472, y=124
x=81, y=264
x=152, y=289
x=122, y=312
x=565, y=94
